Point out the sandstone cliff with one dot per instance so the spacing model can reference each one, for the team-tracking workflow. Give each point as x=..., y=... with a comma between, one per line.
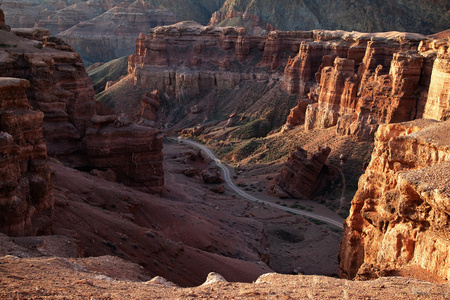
x=349, y=79
x=26, y=180
x=399, y=216
x=416, y=16
x=81, y=17
x=357, y=81
x=301, y=173
x=206, y=72
x=112, y=34
x=61, y=89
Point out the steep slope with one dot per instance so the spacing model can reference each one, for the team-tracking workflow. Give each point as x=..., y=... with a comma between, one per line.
x=112, y=34
x=106, y=74
x=26, y=180
x=61, y=89
x=399, y=215
x=412, y=16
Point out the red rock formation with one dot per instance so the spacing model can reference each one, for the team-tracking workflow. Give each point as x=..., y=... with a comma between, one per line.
x=375, y=79
x=133, y=152
x=61, y=89
x=149, y=106
x=3, y=25
x=300, y=173
x=200, y=45
x=438, y=104
x=297, y=115
x=26, y=194
x=398, y=216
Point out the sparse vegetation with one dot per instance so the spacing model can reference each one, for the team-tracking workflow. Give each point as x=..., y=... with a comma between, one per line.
x=149, y=234
x=111, y=245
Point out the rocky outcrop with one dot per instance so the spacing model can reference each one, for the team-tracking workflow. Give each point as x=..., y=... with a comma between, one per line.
x=300, y=173
x=380, y=87
x=61, y=89
x=399, y=216
x=438, y=104
x=357, y=81
x=132, y=151
x=354, y=81
x=297, y=115
x=155, y=63
x=26, y=181
x=184, y=59
x=3, y=25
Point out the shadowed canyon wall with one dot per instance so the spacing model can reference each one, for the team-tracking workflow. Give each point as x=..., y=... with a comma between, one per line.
x=26, y=180
x=61, y=90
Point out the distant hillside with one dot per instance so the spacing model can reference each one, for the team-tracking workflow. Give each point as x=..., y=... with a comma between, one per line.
x=105, y=30
x=110, y=71
x=419, y=16
x=426, y=17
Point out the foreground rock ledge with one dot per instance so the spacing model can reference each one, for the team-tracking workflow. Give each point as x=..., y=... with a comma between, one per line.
x=399, y=215
x=50, y=278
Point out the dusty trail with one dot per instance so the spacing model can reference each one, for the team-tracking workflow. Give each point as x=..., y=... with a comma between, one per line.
x=337, y=221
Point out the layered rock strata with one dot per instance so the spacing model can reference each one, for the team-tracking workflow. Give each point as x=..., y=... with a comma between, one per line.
x=438, y=103
x=112, y=34
x=349, y=79
x=399, y=216
x=184, y=59
x=368, y=79
x=300, y=173
x=60, y=88
x=132, y=151
x=26, y=181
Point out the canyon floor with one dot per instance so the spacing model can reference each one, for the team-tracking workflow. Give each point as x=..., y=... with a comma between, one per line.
x=52, y=267
x=178, y=235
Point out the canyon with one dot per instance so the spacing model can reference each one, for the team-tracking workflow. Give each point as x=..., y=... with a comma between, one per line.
x=117, y=23
x=365, y=86
x=92, y=188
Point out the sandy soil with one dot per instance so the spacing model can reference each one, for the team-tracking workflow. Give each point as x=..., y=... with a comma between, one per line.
x=60, y=278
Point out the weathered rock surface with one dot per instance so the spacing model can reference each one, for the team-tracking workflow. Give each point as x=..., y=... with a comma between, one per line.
x=438, y=102
x=82, y=278
x=26, y=181
x=113, y=33
x=61, y=89
x=357, y=81
x=399, y=215
x=417, y=16
x=252, y=23
x=350, y=80
x=158, y=54
x=132, y=151
x=300, y=173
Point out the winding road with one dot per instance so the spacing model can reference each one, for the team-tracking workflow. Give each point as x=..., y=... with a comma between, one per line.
x=227, y=177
